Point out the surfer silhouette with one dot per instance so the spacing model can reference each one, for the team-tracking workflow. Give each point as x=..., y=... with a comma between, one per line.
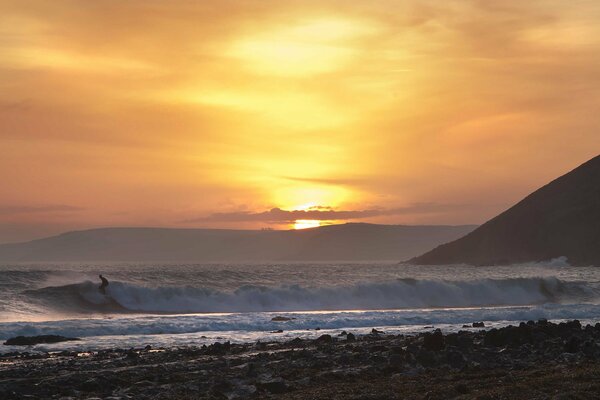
x=103, y=285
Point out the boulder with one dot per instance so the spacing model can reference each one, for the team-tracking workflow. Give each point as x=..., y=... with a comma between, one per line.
x=434, y=341
x=31, y=340
x=324, y=339
x=279, y=318
x=275, y=386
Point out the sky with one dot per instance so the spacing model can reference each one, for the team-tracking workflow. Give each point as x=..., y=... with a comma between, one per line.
x=282, y=114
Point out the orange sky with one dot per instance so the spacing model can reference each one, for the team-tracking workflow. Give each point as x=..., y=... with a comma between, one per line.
x=254, y=114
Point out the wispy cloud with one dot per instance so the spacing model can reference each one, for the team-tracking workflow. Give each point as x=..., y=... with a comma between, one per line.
x=277, y=215
x=10, y=210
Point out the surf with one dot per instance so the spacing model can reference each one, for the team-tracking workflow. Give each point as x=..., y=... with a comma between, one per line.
x=123, y=297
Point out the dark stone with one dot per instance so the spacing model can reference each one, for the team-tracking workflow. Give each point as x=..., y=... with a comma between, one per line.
x=350, y=337
x=91, y=385
x=324, y=339
x=277, y=331
x=281, y=319
x=434, y=341
x=456, y=360
x=572, y=345
x=132, y=354
x=218, y=349
x=296, y=342
x=426, y=358
x=509, y=336
x=478, y=325
x=275, y=386
x=375, y=332
x=31, y=340
x=378, y=348
x=461, y=388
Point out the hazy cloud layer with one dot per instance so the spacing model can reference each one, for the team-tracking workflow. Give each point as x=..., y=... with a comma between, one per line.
x=60, y=208
x=278, y=215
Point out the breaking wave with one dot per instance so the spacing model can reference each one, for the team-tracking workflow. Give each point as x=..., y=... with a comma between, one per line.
x=399, y=294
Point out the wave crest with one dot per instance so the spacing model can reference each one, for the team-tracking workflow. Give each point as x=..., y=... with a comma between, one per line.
x=399, y=294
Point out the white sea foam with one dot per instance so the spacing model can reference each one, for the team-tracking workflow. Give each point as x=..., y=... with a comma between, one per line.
x=180, y=304
x=261, y=322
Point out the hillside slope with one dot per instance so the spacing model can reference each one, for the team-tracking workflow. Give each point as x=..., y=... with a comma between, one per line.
x=560, y=219
x=348, y=242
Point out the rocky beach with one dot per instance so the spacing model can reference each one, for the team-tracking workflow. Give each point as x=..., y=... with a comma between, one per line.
x=534, y=360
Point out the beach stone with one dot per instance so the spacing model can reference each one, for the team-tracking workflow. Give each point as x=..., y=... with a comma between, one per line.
x=434, y=341
x=324, y=339
x=274, y=386
x=218, y=349
x=572, y=345
x=478, y=325
x=456, y=359
x=281, y=319
x=350, y=337
x=461, y=388
x=31, y=340
x=91, y=385
x=426, y=358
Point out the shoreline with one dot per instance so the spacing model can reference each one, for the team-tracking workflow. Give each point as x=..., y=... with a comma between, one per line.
x=485, y=363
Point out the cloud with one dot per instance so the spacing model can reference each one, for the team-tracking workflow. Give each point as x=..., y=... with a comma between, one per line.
x=322, y=213
x=11, y=210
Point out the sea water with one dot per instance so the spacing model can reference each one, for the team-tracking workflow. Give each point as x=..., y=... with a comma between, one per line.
x=190, y=304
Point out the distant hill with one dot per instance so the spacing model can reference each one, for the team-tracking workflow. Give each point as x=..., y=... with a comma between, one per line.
x=560, y=219
x=347, y=242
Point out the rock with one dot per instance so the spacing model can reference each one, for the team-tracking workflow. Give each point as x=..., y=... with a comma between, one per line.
x=478, y=325
x=275, y=386
x=350, y=337
x=295, y=342
x=132, y=354
x=31, y=340
x=277, y=331
x=456, y=360
x=242, y=392
x=344, y=333
x=426, y=358
x=218, y=349
x=434, y=341
x=91, y=385
x=281, y=319
x=376, y=332
x=461, y=388
x=324, y=339
x=572, y=345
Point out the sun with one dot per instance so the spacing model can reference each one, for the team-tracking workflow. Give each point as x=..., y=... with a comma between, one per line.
x=306, y=223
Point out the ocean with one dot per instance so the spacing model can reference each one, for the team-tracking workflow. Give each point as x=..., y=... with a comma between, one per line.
x=162, y=304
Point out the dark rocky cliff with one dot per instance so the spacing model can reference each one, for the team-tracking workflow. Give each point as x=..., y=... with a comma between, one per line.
x=559, y=219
